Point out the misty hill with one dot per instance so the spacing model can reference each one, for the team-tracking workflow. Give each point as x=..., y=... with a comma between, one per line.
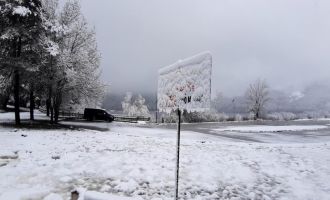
x=314, y=98
x=112, y=101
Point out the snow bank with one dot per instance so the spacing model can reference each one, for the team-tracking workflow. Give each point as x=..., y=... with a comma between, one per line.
x=260, y=129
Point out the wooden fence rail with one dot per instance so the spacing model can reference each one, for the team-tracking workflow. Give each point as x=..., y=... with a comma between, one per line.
x=130, y=119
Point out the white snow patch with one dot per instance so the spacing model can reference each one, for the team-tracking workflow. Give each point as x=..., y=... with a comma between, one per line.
x=29, y=192
x=259, y=129
x=53, y=196
x=92, y=195
x=21, y=10
x=10, y=116
x=52, y=48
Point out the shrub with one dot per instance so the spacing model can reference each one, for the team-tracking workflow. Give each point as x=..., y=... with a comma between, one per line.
x=282, y=116
x=207, y=116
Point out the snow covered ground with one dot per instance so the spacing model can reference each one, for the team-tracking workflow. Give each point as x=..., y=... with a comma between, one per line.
x=9, y=116
x=262, y=129
x=139, y=162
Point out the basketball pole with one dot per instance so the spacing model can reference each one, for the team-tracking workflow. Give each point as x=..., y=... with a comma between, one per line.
x=177, y=158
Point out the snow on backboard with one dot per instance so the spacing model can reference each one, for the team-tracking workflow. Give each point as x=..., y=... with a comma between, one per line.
x=186, y=84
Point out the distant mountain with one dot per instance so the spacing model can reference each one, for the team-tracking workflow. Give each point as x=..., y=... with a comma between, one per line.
x=296, y=96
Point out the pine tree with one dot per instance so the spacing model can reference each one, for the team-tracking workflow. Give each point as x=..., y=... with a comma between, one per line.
x=19, y=37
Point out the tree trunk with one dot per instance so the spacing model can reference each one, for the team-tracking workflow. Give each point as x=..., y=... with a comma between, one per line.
x=57, y=112
x=51, y=115
x=49, y=101
x=16, y=54
x=48, y=106
x=57, y=105
x=51, y=105
x=51, y=112
x=32, y=103
x=16, y=97
x=50, y=91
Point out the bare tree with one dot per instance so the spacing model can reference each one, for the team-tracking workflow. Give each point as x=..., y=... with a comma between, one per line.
x=257, y=97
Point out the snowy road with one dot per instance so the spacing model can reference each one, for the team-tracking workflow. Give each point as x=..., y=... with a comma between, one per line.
x=139, y=161
x=304, y=132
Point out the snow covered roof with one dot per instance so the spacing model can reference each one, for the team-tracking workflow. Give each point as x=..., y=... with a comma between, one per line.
x=196, y=59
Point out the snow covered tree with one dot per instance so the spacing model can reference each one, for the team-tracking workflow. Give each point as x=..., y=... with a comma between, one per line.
x=52, y=53
x=217, y=102
x=257, y=97
x=53, y=31
x=5, y=88
x=19, y=39
x=127, y=103
x=73, y=67
x=139, y=107
x=136, y=108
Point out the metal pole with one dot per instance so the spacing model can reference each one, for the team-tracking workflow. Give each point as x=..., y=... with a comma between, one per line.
x=156, y=108
x=177, y=158
x=156, y=116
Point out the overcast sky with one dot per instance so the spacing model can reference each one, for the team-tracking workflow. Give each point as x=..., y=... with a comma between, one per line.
x=287, y=42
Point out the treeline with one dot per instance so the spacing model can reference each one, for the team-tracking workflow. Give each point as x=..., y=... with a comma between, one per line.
x=47, y=53
x=313, y=99
x=311, y=102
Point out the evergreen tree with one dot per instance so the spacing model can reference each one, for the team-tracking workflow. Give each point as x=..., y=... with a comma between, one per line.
x=19, y=39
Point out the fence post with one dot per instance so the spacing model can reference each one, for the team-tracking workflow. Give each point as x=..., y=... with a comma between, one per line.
x=177, y=158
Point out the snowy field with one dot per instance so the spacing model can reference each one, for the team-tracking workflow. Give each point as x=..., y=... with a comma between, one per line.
x=267, y=129
x=139, y=162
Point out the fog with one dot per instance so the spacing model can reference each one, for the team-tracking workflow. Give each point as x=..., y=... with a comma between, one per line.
x=285, y=42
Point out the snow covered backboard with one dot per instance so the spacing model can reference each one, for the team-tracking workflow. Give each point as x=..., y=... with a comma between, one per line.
x=186, y=84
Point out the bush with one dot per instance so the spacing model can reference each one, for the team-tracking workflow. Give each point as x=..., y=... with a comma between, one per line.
x=171, y=118
x=213, y=116
x=208, y=116
x=238, y=117
x=282, y=116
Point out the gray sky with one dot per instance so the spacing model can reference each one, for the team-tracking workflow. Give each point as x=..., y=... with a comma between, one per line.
x=287, y=42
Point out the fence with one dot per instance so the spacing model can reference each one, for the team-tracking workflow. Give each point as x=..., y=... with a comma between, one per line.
x=65, y=114
x=131, y=119
x=73, y=115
